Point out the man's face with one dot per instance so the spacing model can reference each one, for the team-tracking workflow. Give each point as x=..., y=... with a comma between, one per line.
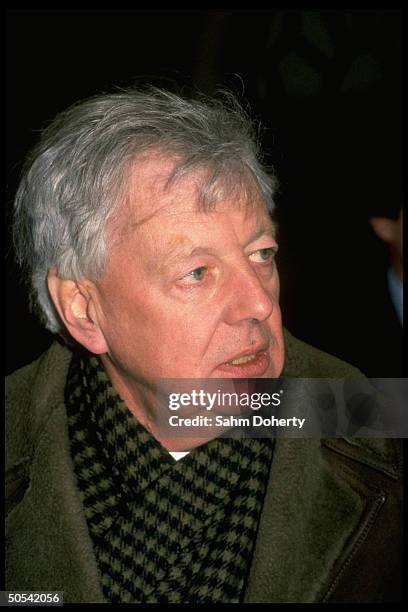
x=186, y=293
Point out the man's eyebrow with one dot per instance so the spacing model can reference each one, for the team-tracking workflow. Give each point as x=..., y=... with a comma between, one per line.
x=181, y=248
x=265, y=230
x=183, y=252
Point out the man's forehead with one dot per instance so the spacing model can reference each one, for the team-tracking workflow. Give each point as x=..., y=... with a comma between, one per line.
x=185, y=229
x=153, y=193
x=180, y=226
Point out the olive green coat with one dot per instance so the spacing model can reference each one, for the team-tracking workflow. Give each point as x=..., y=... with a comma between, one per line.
x=330, y=528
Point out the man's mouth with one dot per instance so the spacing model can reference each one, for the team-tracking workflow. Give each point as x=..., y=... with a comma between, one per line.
x=244, y=359
x=247, y=365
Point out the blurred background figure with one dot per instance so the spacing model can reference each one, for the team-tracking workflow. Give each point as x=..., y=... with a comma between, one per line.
x=390, y=231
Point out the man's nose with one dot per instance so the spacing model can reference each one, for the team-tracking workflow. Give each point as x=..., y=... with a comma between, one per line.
x=248, y=298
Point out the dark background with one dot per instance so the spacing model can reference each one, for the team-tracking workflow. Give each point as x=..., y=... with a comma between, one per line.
x=327, y=85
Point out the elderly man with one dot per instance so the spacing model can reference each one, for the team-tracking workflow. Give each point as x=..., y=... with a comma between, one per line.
x=144, y=221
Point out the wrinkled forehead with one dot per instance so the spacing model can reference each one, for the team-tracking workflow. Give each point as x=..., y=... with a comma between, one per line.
x=157, y=183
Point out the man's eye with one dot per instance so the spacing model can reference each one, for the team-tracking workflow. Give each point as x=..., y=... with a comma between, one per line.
x=195, y=276
x=263, y=255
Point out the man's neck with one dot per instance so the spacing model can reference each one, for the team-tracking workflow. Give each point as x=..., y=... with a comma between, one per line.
x=148, y=406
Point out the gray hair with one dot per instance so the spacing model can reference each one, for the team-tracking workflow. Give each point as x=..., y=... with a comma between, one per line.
x=73, y=181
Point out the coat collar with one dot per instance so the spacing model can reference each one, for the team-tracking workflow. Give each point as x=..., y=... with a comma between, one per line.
x=316, y=513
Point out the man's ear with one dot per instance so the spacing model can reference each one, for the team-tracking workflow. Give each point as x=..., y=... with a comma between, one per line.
x=384, y=228
x=74, y=303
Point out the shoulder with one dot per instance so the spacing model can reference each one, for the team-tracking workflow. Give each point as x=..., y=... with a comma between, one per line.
x=303, y=360
x=31, y=393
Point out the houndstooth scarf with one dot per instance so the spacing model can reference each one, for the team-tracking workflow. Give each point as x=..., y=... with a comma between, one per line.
x=163, y=531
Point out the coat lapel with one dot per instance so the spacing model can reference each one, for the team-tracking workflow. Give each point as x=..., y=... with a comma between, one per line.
x=61, y=554
x=317, y=512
